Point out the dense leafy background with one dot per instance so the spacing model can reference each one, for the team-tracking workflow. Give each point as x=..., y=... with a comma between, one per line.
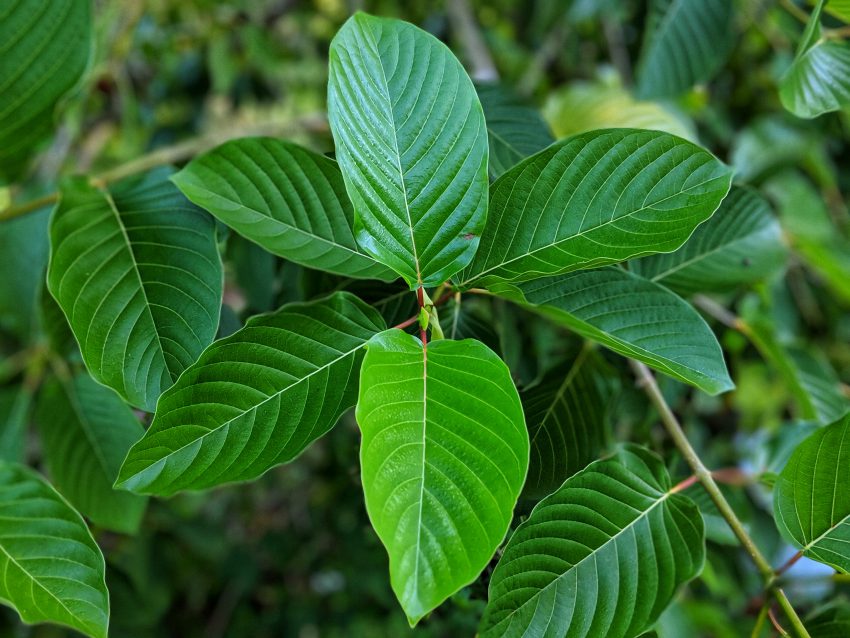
x=294, y=553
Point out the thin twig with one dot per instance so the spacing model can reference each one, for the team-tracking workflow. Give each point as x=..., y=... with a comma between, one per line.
x=789, y=563
x=779, y=628
x=795, y=11
x=466, y=27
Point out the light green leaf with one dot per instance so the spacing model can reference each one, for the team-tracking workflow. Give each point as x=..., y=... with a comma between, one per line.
x=740, y=244
x=633, y=317
x=686, y=42
x=444, y=456
x=586, y=106
x=289, y=200
x=255, y=399
x=602, y=556
x=138, y=275
x=86, y=431
x=594, y=199
x=45, y=50
x=567, y=417
x=52, y=569
x=412, y=145
x=839, y=8
x=811, y=502
x=515, y=130
x=818, y=81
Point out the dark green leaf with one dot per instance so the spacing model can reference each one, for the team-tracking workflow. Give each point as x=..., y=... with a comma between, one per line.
x=444, y=456
x=255, y=399
x=412, y=144
x=594, y=199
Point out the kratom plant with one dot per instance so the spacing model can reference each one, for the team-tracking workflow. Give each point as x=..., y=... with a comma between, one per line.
x=605, y=233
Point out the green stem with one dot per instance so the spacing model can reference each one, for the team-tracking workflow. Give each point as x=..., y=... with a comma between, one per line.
x=671, y=423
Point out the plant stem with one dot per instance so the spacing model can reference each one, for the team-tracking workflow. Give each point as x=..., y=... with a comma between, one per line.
x=478, y=55
x=671, y=423
x=170, y=154
x=795, y=11
x=761, y=619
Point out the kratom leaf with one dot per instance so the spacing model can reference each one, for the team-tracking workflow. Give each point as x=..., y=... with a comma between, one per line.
x=289, y=200
x=824, y=400
x=45, y=50
x=412, y=145
x=138, y=275
x=686, y=42
x=839, y=8
x=515, y=130
x=740, y=244
x=833, y=620
x=86, y=431
x=470, y=319
x=811, y=502
x=586, y=106
x=15, y=402
x=633, y=317
x=567, y=417
x=444, y=456
x=595, y=199
x=602, y=556
x=818, y=80
x=255, y=399
x=52, y=569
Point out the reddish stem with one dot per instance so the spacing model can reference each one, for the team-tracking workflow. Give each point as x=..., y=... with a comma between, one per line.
x=775, y=623
x=789, y=564
x=684, y=484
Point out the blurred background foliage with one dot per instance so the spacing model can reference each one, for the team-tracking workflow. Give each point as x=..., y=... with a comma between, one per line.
x=293, y=554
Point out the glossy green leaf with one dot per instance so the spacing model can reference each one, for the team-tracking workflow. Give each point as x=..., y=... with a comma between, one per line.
x=86, y=431
x=444, y=456
x=686, y=42
x=602, y=556
x=289, y=200
x=138, y=275
x=515, y=130
x=818, y=80
x=595, y=199
x=52, y=569
x=45, y=50
x=412, y=145
x=811, y=502
x=740, y=244
x=255, y=399
x=586, y=106
x=633, y=317
x=568, y=424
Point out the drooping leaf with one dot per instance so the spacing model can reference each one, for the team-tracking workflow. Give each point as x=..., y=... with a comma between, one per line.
x=602, y=556
x=740, y=244
x=444, y=456
x=686, y=42
x=515, y=130
x=470, y=319
x=811, y=502
x=46, y=48
x=595, y=199
x=818, y=80
x=86, y=431
x=52, y=569
x=633, y=317
x=586, y=106
x=412, y=145
x=833, y=620
x=137, y=273
x=255, y=399
x=568, y=424
x=289, y=200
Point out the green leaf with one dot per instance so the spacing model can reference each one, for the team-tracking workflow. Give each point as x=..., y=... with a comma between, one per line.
x=46, y=49
x=52, y=569
x=602, y=556
x=818, y=81
x=515, y=130
x=471, y=319
x=686, y=42
x=633, y=317
x=255, y=399
x=740, y=244
x=567, y=417
x=289, y=200
x=833, y=620
x=444, y=456
x=594, y=199
x=15, y=402
x=86, y=432
x=586, y=106
x=839, y=8
x=811, y=502
x=412, y=144
x=138, y=275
